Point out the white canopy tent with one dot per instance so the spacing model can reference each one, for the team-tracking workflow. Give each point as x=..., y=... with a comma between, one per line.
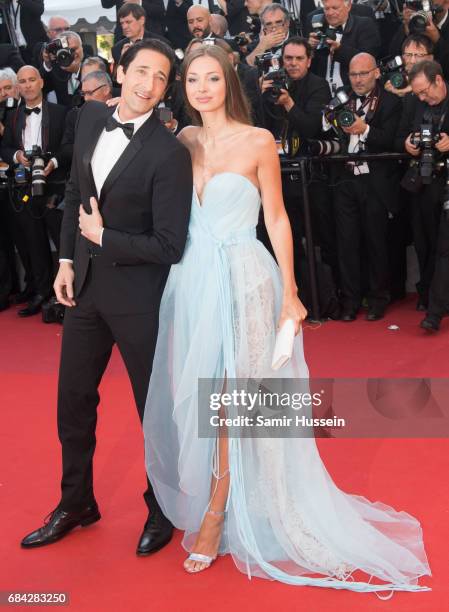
x=90, y=10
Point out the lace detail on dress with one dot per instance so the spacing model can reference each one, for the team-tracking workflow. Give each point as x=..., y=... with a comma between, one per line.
x=271, y=489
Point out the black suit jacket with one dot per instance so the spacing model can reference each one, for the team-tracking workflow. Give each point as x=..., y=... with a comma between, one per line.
x=57, y=80
x=359, y=34
x=145, y=205
x=53, y=121
x=117, y=48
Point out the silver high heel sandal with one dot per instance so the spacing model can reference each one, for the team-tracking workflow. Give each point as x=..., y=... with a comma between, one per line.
x=198, y=556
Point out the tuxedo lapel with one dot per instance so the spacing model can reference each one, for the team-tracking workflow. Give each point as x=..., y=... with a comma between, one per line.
x=90, y=148
x=133, y=148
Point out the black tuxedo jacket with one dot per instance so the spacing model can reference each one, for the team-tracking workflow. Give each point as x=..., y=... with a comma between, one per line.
x=117, y=48
x=359, y=34
x=308, y=9
x=383, y=176
x=145, y=205
x=53, y=122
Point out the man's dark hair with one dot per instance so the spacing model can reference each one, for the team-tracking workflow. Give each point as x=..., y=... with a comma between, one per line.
x=429, y=68
x=131, y=9
x=298, y=40
x=418, y=39
x=151, y=44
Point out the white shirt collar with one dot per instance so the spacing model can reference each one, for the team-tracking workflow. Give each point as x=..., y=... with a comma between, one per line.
x=138, y=121
x=36, y=106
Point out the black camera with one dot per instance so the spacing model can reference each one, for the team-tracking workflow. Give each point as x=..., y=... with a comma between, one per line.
x=59, y=51
x=424, y=11
x=394, y=71
x=7, y=105
x=269, y=65
x=426, y=140
x=321, y=29
x=324, y=147
x=37, y=165
x=53, y=311
x=337, y=113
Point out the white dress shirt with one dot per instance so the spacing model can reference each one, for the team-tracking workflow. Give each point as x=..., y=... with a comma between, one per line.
x=15, y=18
x=32, y=133
x=109, y=148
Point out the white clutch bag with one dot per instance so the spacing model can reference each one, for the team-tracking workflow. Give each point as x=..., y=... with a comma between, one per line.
x=283, y=347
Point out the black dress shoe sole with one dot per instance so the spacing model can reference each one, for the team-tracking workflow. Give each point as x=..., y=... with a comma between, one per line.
x=432, y=329
x=84, y=523
x=146, y=552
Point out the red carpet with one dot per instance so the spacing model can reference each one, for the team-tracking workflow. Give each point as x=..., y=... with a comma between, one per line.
x=97, y=565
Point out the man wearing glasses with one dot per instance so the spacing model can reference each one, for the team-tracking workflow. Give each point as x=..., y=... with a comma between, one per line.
x=429, y=106
x=415, y=49
x=366, y=193
x=275, y=25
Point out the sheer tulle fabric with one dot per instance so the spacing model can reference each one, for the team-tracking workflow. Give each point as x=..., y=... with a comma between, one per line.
x=286, y=519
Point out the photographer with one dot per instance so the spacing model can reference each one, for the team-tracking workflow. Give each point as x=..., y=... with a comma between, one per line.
x=341, y=37
x=415, y=49
x=9, y=96
x=293, y=114
x=275, y=26
x=36, y=123
x=62, y=60
x=423, y=133
x=366, y=191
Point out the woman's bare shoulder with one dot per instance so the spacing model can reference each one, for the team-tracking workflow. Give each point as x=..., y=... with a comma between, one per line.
x=188, y=135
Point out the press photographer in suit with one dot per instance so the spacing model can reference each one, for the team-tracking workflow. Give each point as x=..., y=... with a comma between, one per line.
x=366, y=193
x=65, y=81
x=35, y=123
x=352, y=35
x=427, y=109
x=125, y=222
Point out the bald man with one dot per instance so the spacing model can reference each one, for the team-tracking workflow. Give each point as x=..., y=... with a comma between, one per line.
x=366, y=193
x=198, y=22
x=36, y=123
x=219, y=25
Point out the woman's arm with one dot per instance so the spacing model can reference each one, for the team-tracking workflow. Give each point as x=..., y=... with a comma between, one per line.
x=278, y=225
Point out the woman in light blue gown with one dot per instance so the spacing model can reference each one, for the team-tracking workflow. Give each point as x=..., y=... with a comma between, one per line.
x=269, y=502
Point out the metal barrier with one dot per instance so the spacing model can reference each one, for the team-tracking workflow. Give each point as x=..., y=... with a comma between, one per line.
x=299, y=165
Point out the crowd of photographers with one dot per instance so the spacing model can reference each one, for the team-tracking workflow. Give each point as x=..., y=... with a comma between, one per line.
x=326, y=77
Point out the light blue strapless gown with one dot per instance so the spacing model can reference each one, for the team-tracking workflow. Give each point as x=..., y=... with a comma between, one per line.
x=286, y=519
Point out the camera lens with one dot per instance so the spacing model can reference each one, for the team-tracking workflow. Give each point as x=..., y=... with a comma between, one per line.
x=346, y=118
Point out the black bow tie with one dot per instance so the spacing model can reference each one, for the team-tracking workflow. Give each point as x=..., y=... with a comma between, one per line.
x=36, y=110
x=128, y=128
x=361, y=98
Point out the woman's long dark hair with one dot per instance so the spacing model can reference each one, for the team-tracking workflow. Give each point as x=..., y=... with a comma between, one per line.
x=236, y=103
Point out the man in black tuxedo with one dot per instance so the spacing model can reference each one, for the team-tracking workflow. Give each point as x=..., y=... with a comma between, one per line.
x=133, y=222
x=352, y=35
x=366, y=193
x=40, y=123
x=133, y=22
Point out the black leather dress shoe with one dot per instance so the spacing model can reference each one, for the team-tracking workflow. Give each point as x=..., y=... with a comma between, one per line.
x=33, y=307
x=59, y=524
x=431, y=323
x=158, y=532
x=22, y=297
x=348, y=314
x=375, y=313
